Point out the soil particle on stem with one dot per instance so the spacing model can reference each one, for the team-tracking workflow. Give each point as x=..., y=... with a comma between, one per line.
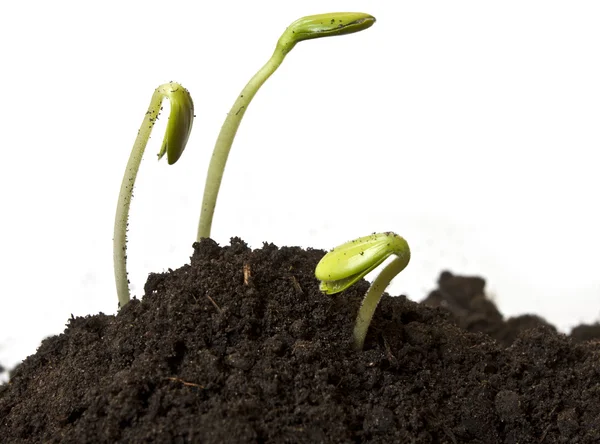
x=240, y=346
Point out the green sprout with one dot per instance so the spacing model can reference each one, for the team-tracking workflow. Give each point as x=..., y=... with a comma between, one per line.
x=177, y=133
x=311, y=27
x=347, y=264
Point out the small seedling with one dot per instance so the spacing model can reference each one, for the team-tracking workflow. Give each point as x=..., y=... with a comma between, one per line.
x=177, y=133
x=347, y=264
x=311, y=27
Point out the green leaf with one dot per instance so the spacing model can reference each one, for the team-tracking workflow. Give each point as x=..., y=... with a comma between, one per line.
x=324, y=25
x=345, y=265
x=180, y=122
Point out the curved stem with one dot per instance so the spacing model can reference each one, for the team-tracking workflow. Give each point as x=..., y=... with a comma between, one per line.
x=373, y=296
x=179, y=126
x=125, y=195
x=305, y=28
x=224, y=142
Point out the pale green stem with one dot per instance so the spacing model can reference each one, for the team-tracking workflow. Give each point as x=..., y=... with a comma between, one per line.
x=224, y=142
x=373, y=296
x=125, y=195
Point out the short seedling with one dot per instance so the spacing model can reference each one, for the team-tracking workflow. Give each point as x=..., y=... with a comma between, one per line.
x=178, y=130
x=347, y=264
x=311, y=27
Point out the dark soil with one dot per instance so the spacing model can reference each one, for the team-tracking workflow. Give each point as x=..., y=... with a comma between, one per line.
x=241, y=347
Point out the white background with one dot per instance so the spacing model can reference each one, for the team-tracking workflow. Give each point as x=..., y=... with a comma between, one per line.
x=471, y=128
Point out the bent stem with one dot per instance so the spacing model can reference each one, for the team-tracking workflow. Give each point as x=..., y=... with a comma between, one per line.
x=176, y=136
x=316, y=26
x=372, y=298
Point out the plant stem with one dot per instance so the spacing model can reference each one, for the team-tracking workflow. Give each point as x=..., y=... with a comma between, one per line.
x=125, y=195
x=305, y=28
x=224, y=142
x=373, y=296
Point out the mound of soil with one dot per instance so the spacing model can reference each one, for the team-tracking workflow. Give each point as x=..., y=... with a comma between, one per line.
x=240, y=346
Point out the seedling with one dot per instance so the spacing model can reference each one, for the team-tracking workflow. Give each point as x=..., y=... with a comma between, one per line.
x=347, y=264
x=178, y=130
x=311, y=27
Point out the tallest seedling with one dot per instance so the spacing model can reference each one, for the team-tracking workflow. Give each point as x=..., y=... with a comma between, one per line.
x=311, y=27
